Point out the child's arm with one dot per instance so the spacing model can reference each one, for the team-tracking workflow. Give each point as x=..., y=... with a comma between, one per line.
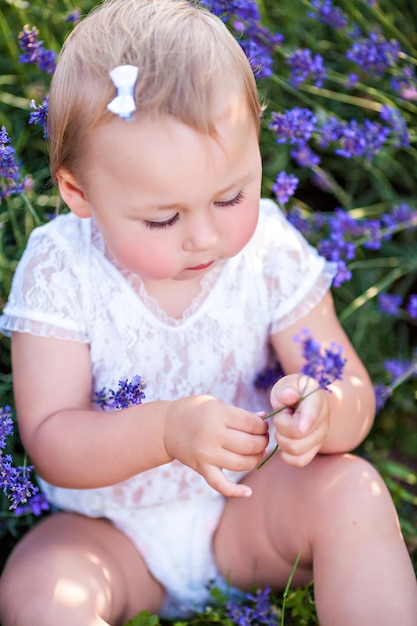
x=72, y=445
x=324, y=422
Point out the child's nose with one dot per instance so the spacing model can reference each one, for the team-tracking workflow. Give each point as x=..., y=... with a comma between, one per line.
x=201, y=235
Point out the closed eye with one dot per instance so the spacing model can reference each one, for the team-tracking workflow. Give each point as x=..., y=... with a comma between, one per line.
x=170, y=222
x=236, y=200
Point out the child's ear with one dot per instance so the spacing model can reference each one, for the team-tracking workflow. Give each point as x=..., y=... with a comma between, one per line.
x=72, y=193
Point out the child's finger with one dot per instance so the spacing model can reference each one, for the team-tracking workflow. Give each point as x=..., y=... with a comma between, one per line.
x=216, y=479
x=286, y=397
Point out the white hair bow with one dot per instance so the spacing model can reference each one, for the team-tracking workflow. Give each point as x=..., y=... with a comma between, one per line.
x=124, y=78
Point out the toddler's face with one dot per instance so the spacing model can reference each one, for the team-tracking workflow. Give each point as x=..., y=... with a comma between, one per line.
x=172, y=202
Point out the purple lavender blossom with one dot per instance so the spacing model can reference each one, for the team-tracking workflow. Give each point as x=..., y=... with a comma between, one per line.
x=304, y=156
x=405, y=83
x=257, y=41
x=294, y=126
x=128, y=394
x=412, y=306
x=6, y=426
x=382, y=393
x=304, y=66
x=329, y=14
x=14, y=480
x=396, y=368
x=284, y=187
x=323, y=366
x=374, y=54
x=353, y=139
x=11, y=182
x=301, y=223
x=400, y=214
x=34, y=52
x=398, y=372
x=343, y=274
x=269, y=376
x=74, y=16
x=37, y=505
x=39, y=114
x=255, y=609
x=398, y=125
x=372, y=230
x=389, y=303
x=352, y=80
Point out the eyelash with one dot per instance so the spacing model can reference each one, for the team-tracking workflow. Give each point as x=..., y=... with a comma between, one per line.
x=166, y=224
x=236, y=200
x=172, y=220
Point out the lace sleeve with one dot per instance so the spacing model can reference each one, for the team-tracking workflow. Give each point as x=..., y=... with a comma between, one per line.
x=297, y=276
x=47, y=294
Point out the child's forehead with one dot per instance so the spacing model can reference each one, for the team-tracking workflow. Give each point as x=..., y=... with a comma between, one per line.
x=161, y=147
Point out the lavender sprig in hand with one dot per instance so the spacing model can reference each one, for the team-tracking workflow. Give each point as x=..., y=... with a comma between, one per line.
x=322, y=366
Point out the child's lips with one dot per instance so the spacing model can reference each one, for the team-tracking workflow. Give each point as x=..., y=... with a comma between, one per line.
x=203, y=266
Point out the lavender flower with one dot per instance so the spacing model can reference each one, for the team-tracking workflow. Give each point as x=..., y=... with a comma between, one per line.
x=6, y=426
x=400, y=214
x=14, y=481
x=34, y=52
x=412, y=306
x=304, y=66
x=11, y=182
x=398, y=372
x=389, y=303
x=39, y=114
x=294, y=126
x=305, y=157
x=382, y=393
x=374, y=54
x=353, y=139
x=398, y=125
x=38, y=504
x=255, y=609
x=323, y=366
x=404, y=83
x=329, y=14
x=396, y=368
x=257, y=42
x=269, y=376
x=284, y=187
x=128, y=394
x=74, y=16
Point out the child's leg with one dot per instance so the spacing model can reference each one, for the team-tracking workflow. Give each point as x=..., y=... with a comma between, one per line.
x=339, y=514
x=71, y=570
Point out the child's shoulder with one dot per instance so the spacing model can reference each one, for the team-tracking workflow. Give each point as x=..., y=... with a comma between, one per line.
x=63, y=233
x=274, y=230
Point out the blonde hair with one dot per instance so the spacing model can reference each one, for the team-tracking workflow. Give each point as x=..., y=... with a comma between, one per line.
x=183, y=53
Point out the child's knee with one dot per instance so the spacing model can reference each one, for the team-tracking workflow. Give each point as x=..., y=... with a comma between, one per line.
x=353, y=484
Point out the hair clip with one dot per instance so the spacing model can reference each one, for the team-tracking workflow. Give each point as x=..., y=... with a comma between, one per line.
x=124, y=78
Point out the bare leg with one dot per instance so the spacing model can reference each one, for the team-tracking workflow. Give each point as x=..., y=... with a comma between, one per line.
x=72, y=570
x=339, y=514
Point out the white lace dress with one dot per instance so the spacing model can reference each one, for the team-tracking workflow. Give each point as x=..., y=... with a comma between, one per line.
x=66, y=286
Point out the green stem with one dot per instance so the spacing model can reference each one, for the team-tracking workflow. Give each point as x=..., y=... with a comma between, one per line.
x=287, y=587
x=294, y=407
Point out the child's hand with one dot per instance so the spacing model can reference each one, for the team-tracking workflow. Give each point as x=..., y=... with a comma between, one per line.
x=209, y=436
x=300, y=430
